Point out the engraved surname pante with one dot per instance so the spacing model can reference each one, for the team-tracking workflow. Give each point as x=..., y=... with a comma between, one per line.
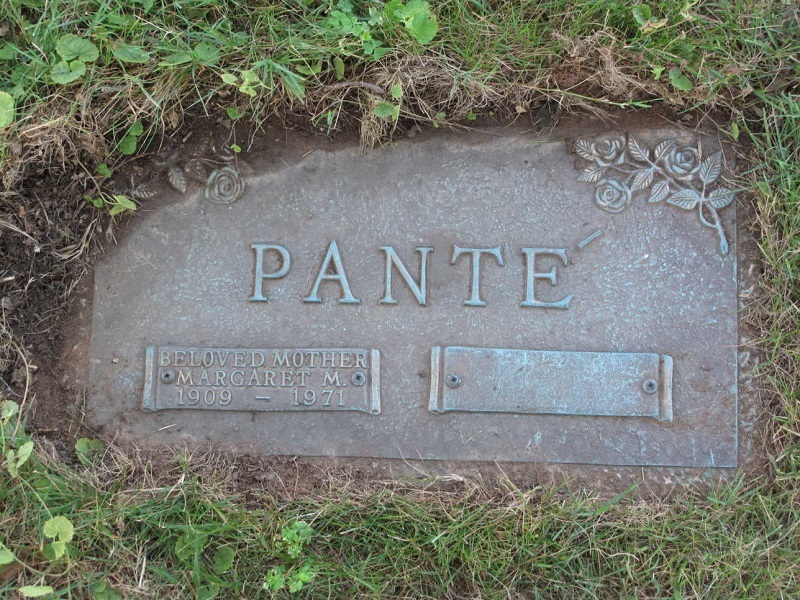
x=259, y=275
x=262, y=380
x=531, y=275
x=419, y=289
x=475, y=277
x=332, y=269
x=332, y=262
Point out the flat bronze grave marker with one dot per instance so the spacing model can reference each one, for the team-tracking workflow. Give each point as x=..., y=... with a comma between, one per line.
x=472, y=298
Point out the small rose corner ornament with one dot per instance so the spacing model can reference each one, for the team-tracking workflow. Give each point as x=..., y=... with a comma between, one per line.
x=224, y=186
x=622, y=167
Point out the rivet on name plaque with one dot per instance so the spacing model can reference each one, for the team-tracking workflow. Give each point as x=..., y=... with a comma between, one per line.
x=602, y=384
x=453, y=380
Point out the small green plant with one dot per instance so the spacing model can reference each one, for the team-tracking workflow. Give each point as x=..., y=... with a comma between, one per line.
x=190, y=544
x=397, y=92
x=7, y=109
x=102, y=590
x=246, y=82
x=386, y=110
x=16, y=458
x=417, y=18
x=278, y=578
x=343, y=22
x=671, y=48
x=103, y=170
x=129, y=142
x=233, y=113
x=338, y=67
x=75, y=52
x=27, y=591
x=291, y=542
x=115, y=204
x=679, y=80
x=15, y=451
x=202, y=54
x=61, y=531
x=6, y=556
x=294, y=538
x=88, y=450
x=206, y=570
x=129, y=53
x=389, y=110
x=223, y=559
x=8, y=410
x=643, y=15
x=35, y=591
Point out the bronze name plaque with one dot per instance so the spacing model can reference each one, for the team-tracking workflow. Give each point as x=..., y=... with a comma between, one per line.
x=262, y=380
x=459, y=298
x=602, y=384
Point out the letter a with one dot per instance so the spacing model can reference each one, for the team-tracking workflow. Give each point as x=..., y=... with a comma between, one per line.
x=332, y=262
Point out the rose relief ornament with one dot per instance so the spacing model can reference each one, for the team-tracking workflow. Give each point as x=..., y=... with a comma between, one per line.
x=224, y=186
x=622, y=167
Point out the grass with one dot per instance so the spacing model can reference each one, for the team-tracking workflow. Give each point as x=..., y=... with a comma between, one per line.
x=404, y=541
x=142, y=530
x=778, y=206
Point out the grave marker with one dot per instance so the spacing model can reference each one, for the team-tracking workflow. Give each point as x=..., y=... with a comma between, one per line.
x=457, y=298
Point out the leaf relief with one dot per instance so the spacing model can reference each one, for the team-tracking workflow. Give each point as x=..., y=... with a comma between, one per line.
x=622, y=168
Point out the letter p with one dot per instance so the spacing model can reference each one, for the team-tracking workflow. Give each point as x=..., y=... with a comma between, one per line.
x=258, y=273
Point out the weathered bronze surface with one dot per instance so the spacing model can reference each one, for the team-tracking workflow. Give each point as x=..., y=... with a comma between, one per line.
x=600, y=384
x=262, y=380
x=476, y=298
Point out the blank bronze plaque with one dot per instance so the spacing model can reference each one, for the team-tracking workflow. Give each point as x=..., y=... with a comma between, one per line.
x=599, y=384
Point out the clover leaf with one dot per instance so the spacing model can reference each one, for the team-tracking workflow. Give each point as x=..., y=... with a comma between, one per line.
x=70, y=46
x=7, y=109
x=64, y=72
